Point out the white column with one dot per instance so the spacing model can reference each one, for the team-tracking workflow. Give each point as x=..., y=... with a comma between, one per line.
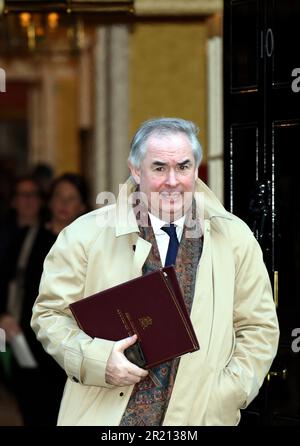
x=215, y=117
x=100, y=141
x=119, y=109
x=48, y=115
x=35, y=130
x=111, y=108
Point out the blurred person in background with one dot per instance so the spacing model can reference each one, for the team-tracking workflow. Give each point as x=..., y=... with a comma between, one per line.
x=6, y=188
x=44, y=176
x=68, y=200
x=25, y=242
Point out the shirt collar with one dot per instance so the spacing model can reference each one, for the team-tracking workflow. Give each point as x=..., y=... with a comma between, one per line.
x=157, y=223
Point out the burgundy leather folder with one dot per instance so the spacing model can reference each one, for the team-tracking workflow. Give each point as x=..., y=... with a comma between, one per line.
x=150, y=306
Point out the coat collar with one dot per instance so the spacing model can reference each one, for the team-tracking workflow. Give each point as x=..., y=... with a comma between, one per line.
x=125, y=218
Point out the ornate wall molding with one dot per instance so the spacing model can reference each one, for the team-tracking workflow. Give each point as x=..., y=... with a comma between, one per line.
x=139, y=7
x=109, y=6
x=177, y=7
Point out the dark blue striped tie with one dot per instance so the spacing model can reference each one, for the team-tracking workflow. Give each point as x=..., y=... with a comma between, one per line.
x=173, y=244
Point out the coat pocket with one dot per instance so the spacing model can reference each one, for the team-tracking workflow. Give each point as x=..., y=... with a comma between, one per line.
x=226, y=398
x=79, y=403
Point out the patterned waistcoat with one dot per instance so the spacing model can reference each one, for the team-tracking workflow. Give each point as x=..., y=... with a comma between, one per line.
x=149, y=399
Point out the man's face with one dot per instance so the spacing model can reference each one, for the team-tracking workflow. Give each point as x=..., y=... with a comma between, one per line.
x=167, y=175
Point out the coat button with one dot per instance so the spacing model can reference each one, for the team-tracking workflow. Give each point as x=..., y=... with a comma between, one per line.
x=122, y=394
x=74, y=379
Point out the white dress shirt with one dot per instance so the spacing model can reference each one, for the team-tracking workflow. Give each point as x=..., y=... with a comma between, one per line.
x=162, y=238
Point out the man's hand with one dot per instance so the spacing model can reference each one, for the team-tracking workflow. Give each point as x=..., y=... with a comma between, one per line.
x=10, y=326
x=120, y=371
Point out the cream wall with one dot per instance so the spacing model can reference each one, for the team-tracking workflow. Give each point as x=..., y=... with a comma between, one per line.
x=167, y=72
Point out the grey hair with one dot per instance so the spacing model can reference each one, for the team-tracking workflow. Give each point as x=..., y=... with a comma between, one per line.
x=163, y=126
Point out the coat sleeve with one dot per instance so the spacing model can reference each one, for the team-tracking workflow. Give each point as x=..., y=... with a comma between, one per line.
x=63, y=280
x=254, y=317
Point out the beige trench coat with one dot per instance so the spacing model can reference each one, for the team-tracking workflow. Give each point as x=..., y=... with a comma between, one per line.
x=233, y=315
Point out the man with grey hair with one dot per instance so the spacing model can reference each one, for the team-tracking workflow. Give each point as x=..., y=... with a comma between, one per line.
x=173, y=219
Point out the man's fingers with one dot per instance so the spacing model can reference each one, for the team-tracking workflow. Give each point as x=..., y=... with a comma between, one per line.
x=119, y=370
x=136, y=371
x=126, y=375
x=120, y=346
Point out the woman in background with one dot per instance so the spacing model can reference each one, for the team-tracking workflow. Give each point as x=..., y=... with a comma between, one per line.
x=68, y=200
x=22, y=264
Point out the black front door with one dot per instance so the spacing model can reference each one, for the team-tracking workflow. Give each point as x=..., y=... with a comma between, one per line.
x=262, y=141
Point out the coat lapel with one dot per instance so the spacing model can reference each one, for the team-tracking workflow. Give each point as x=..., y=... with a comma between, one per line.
x=142, y=250
x=202, y=313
